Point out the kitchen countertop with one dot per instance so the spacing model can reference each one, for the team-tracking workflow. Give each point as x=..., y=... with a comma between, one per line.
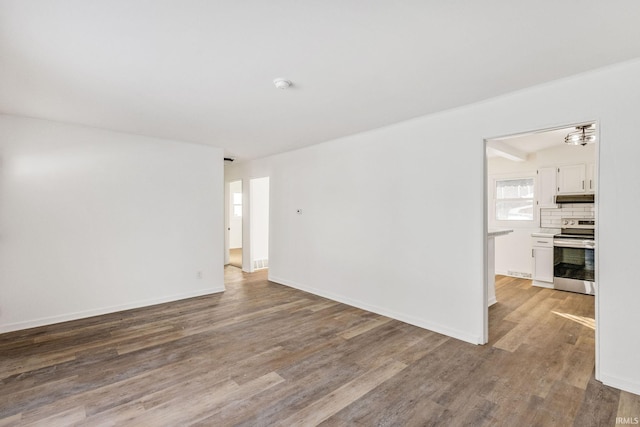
x=546, y=232
x=494, y=232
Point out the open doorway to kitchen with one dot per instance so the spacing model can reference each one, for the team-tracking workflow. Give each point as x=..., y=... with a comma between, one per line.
x=540, y=186
x=234, y=227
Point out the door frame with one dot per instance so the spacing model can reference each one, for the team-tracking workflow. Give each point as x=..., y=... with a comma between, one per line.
x=485, y=226
x=227, y=218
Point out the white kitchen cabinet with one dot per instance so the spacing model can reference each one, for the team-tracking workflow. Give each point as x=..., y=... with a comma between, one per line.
x=542, y=258
x=546, y=188
x=571, y=179
x=590, y=179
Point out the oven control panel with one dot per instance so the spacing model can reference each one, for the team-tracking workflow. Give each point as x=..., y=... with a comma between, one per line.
x=588, y=223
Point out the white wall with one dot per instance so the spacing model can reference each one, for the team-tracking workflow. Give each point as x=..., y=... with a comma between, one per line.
x=93, y=221
x=235, y=222
x=259, y=218
x=513, y=251
x=394, y=218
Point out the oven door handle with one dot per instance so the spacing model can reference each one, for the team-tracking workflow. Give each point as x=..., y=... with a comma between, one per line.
x=578, y=244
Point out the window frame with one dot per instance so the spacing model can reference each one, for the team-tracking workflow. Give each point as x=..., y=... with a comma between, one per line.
x=513, y=223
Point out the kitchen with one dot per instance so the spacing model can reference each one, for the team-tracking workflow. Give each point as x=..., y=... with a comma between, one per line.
x=542, y=186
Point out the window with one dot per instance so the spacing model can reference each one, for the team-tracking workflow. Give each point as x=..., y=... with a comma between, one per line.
x=237, y=204
x=514, y=199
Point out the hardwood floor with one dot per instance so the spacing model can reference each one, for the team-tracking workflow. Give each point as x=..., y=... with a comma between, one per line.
x=262, y=354
x=235, y=257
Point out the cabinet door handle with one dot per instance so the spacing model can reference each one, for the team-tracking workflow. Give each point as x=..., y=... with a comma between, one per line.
x=590, y=184
x=532, y=256
x=583, y=184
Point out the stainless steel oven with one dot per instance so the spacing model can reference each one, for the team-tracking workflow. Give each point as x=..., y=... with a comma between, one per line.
x=574, y=256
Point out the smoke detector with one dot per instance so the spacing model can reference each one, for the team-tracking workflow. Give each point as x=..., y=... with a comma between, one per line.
x=282, y=83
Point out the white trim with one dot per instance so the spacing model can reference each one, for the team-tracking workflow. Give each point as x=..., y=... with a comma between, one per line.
x=620, y=383
x=542, y=284
x=227, y=241
x=44, y=321
x=615, y=382
x=227, y=218
x=485, y=247
x=453, y=333
x=596, y=212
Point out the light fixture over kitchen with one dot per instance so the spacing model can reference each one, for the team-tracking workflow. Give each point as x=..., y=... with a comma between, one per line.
x=583, y=135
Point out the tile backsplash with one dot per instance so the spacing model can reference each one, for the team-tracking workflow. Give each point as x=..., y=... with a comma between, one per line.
x=550, y=217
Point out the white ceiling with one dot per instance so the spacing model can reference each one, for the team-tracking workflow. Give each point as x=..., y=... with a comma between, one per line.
x=529, y=143
x=202, y=70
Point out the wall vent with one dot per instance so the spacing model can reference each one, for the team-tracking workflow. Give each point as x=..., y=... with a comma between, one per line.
x=518, y=274
x=260, y=263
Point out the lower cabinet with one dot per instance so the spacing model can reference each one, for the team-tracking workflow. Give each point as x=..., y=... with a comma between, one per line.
x=542, y=256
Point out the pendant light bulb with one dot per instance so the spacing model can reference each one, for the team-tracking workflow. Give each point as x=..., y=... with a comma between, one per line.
x=582, y=135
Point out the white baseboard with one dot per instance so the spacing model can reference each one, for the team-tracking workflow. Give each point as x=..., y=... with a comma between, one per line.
x=517, y=274
x=461, y=335
x=492, y=301
x=542, y=284
x=43, y=321
x=620, y=383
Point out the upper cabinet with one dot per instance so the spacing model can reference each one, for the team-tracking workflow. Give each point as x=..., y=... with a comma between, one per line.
x=590, y=179
x=546, y=187
x=572, y=179
x=579, y=178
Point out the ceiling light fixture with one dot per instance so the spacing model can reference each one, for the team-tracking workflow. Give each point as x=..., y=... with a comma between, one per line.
x=282, y=83
x=583, y=135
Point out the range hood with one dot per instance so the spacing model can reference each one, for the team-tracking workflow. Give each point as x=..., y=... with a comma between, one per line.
x=575, y=198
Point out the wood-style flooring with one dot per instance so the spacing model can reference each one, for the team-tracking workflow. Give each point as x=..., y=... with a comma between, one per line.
x=235, y=257
x=262, y=354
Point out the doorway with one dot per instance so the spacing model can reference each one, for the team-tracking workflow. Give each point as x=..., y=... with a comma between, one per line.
x=259, y=223
x=235, y=223
x=523, y=175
